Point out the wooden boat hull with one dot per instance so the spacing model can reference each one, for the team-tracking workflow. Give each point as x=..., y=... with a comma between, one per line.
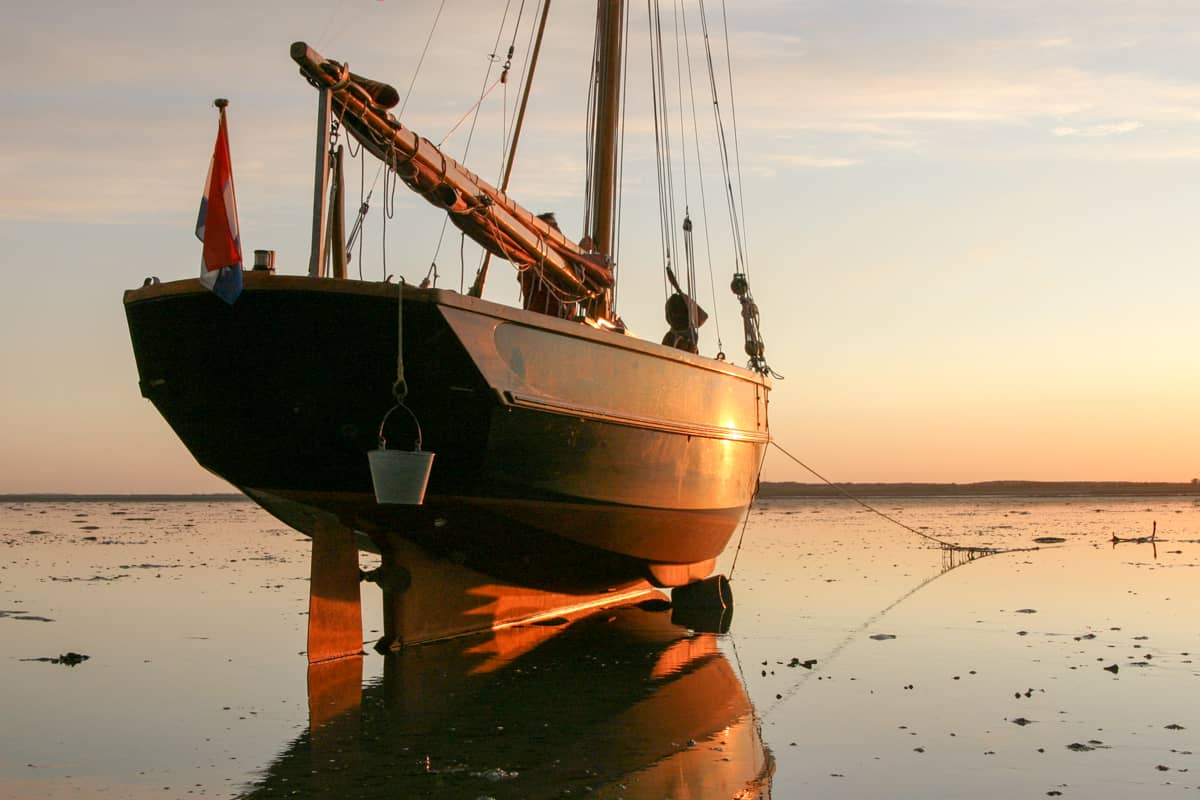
x=564, y=455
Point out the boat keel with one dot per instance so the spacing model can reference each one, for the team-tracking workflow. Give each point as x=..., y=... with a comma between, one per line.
x=427, y=597
x=334, y=600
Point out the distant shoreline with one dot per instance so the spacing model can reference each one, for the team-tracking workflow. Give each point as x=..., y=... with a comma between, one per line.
x=984, y=489
x=769, y=489
x=48, y=497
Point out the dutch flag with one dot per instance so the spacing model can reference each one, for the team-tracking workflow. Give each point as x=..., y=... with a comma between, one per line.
x=217, y=224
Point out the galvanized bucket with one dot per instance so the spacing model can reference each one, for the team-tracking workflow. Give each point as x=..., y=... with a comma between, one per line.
x=400, y=476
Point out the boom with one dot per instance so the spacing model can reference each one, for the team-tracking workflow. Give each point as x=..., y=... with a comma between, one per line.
x=479, y=209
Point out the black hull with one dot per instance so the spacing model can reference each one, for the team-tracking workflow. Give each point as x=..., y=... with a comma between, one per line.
x=560, y=450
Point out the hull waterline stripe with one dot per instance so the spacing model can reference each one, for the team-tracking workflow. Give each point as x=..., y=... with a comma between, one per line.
x=667, y=426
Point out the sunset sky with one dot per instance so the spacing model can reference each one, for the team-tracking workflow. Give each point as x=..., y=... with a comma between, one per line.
x=972, y=224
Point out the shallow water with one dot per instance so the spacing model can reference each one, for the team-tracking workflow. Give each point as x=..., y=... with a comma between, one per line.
x=994, y=678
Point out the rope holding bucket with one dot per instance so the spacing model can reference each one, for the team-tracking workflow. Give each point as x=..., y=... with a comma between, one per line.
x=400, y=387
x=400, y=476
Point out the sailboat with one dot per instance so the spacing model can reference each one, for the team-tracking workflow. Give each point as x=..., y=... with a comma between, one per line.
x=569, y=455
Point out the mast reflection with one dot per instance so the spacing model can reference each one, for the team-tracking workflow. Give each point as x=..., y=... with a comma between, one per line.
x=620, y=704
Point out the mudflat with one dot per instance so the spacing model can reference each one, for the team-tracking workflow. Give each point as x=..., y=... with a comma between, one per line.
x=153, y=648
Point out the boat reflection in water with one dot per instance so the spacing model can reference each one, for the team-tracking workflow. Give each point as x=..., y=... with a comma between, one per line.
x=620, y=704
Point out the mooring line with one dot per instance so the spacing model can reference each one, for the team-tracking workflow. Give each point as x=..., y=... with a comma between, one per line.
x=953, y=557
x=948, y=565
x=786, y=694
x=979, y=551
x=746, y=520
x=758, y=718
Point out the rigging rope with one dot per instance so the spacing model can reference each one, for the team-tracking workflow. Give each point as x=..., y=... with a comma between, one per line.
x=679, y=97
x=493, y=58
x=689, y=251
x=615, y=258
x=712, y=282
x=507, y=142
x=735, y=221
x=662, y=141
x=737, y=154
x=590, y=134
x=421, y=60
x=364, y=205
x=473, y=109
x=473, y=112
x=385, y=217
x=512, y=131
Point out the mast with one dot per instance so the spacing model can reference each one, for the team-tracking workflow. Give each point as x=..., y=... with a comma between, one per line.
x=316, y=260
x=610, y=28
x=477, y=287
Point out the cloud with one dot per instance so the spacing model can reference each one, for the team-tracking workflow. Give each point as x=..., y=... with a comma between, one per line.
x=1182, y=153
x=124, y=123
x=1111, y=129
x=811, y=162
x=971, y=78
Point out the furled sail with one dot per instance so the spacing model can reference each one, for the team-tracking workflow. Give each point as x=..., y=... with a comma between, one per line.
x=476, y=207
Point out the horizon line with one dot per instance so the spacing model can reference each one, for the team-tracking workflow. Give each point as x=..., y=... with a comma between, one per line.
x=1076, y=487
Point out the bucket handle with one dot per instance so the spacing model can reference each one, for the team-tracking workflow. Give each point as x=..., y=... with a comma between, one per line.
x=383, y=439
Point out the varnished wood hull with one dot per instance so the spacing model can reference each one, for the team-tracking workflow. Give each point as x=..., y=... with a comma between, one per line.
x=564, y=455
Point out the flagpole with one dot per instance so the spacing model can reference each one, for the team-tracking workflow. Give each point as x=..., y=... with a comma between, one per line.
x=216, y=224
x=222, y=103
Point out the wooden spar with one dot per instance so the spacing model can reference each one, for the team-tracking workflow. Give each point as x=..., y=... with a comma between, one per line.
x=477, y=287
x=610, y=27
x=316, y=259
x=610, y=16
x=480, y=210
x=533, y=60
x=337, y=217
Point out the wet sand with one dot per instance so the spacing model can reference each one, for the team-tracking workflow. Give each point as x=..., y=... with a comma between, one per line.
x=855, y=667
